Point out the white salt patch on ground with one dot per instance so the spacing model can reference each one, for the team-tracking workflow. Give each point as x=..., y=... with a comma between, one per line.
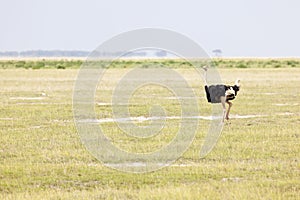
x=39, y=103
x=270, y=93
x=245, y=116
x=285, y=113
x=137, y=164
x=141, y=164
x=27, y=98
x=6, y=118
x=143, y=118
x=103, y=104
x=35, y=127
x=139, y=119
x=285, y=104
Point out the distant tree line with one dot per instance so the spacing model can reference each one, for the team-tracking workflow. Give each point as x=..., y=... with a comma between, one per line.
x=44, y=53
x=61, y=53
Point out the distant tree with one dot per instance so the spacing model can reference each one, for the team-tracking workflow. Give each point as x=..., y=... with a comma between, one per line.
x=217, y=52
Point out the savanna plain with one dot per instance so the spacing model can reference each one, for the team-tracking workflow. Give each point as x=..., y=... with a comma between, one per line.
x=256, y=157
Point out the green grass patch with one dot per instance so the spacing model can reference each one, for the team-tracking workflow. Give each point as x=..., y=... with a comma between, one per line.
x=150, y=63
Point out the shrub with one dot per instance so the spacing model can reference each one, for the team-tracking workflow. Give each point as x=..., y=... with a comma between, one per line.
x=241, y=65
x=27, y=66
x=59, y=66
x=277, y=66
x=20, y=64
x=38, y=65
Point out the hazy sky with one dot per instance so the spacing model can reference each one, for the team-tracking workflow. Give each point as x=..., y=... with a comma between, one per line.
x=238, y=27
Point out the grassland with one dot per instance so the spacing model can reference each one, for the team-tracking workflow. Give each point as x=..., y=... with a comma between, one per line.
x=41, y=156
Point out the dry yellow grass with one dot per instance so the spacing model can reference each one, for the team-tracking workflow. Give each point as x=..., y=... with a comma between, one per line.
x=255, y=158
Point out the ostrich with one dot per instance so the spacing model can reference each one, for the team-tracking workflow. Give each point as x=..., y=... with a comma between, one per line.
x=221, y=94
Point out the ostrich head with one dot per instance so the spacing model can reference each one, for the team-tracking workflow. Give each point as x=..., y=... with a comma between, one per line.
x=237, y=83
x=237, y=86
